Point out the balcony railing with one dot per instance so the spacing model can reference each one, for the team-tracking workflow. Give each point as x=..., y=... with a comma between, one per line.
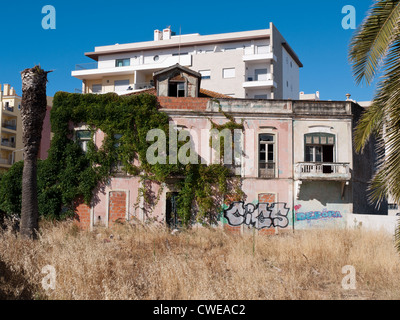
x=5, y=162
x=87, y=66
x=9, y=109
x=323, y=171
x=259, y=77
x=145, y=85
x=9, y=125
x=8, y=144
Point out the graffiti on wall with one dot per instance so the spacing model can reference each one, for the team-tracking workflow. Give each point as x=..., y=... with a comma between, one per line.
x=316, y=215
x=260, y=216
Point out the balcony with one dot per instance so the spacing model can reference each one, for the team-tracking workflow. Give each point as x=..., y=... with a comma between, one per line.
x=143, y=86
x=5, y=162
x=8, y=109
x=259, y=81
x=8, y=144
x=259, y=57
x=10, y=125
x=322, y=171
x=108, y=68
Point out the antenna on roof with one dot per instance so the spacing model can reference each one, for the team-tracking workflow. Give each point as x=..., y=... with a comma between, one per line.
x=180, y=41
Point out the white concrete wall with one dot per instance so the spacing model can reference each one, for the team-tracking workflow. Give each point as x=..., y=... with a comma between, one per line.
x=291, y=74
x=373, y=222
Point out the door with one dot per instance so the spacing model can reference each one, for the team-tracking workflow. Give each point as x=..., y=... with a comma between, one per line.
x=171, y=214
x=327, y=152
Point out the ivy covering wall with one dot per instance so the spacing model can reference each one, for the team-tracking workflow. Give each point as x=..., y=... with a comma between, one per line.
x=69, y=173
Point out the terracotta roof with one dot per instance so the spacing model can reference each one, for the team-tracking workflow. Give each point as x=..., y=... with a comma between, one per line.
x=203, y=93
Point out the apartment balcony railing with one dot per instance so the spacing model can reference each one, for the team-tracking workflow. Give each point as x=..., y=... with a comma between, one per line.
x=87, y=66
x=323, y=171
x=5, y=162
x=145, y=85
x=259, y=77
x=8, y=144
x=9, y=125
x=9, y=109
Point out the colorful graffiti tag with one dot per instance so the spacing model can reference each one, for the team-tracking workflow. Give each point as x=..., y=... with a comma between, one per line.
x=317, y=215
x=260, y=216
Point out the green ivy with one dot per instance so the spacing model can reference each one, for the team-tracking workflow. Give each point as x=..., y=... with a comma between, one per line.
x=69, y=173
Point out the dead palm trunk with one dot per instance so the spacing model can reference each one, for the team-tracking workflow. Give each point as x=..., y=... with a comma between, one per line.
x=33, y=111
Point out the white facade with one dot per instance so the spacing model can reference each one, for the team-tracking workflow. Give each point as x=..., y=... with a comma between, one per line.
x=253, y=64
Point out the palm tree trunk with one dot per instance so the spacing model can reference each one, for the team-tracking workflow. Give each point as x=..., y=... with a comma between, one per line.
x=33, y=111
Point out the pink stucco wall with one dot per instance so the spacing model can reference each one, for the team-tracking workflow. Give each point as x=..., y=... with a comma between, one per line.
x=46, y=136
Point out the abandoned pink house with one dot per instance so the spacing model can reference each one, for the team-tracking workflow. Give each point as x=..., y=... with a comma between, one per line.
x=297, y=165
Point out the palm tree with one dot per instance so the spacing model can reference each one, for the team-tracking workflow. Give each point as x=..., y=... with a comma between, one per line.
x=33, y=111
x=375, y=49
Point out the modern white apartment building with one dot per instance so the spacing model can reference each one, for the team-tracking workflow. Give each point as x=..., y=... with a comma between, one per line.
x=256, y=64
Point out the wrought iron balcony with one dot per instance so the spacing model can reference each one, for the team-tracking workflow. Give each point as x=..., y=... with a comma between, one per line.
x=322, y=171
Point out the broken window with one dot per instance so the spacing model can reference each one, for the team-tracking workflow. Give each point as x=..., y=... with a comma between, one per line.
x=320, y=148
x=176, y=89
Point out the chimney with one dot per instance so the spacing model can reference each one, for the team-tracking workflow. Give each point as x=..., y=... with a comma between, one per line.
x=6, y=89
x=167, y=33
x=158, y=35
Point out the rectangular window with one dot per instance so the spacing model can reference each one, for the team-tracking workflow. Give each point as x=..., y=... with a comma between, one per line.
x=229, y=73
x=121, y=85
x=97, y=88
x=267, y=156
x=83, y=137
x=122, y=63
x=205, y=74
x=176, y=89
x=261, y=96
x=313, y=153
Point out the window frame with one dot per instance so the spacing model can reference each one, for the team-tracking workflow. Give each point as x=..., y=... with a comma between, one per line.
x=267, y=162
x=124, y=60
x=230, y=77
x=319, y=139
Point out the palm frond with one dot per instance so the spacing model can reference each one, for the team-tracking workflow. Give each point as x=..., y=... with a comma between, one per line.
x=370, y=44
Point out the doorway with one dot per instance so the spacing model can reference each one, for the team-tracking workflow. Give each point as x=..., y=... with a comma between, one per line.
x=171, y=214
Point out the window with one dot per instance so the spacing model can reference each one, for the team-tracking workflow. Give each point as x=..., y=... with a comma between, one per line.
x=320, y=148
x=97, y=88
x=176, y=89
x=83, y=137
x=121, y=85
x=266, y=162
x=205, y=74
x=228, y=73
x=122, y=63
x=180, y=54
x=156, y=58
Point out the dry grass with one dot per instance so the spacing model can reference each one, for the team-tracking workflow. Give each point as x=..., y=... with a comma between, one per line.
x=136, y=262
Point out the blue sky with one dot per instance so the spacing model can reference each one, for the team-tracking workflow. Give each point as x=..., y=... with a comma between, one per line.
x=312, y=27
